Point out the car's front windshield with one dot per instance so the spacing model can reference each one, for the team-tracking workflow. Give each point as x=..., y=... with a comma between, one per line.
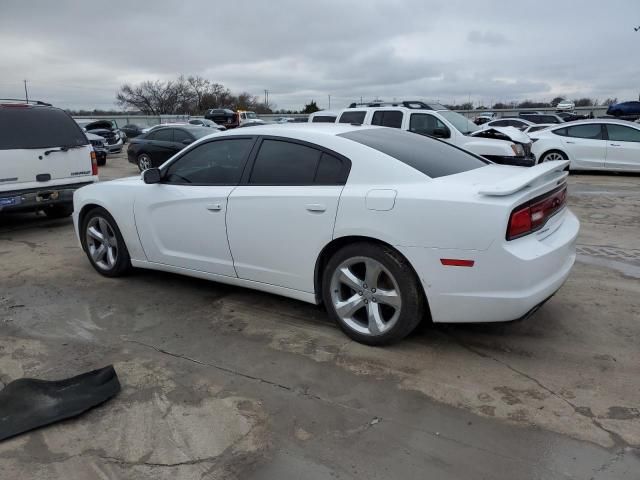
x=460, y=122
x=251, y=115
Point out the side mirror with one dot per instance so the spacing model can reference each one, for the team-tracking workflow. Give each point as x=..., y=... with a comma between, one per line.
x=151, y=175
x=441, y=132
x=186, y=141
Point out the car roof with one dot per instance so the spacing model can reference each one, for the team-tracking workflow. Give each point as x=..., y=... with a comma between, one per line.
x=624, y=123
x=391, y=107
x=280, y=129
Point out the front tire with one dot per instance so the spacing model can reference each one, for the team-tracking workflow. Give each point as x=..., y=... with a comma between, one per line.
x=103, y=244
x=553, y=155
x=372, y=293
x=144, y=162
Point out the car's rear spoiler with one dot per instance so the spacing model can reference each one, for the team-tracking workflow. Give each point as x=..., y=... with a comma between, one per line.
x=550, y=172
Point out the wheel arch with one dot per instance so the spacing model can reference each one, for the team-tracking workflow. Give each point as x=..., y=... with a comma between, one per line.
x=337, y=243
x=555, y=149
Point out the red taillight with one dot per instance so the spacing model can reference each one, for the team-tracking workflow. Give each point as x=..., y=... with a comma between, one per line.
x=456, y=262
x=533, y=215
x=94, y=163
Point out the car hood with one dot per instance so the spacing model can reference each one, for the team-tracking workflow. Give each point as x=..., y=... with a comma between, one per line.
x=101, y=131
x=91, y=136
x=499, y=133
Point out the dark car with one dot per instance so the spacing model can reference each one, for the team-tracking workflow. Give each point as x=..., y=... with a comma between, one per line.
x=223, y=116
x=571, y=116
x=155, y=147
x=624, y=109
x=541, y=117
x=133, y=130
x=107, y=130
x=204, y=122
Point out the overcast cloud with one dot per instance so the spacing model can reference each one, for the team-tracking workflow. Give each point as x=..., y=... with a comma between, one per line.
x=76, y=54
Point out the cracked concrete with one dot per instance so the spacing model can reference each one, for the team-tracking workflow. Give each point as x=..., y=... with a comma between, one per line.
x=221, y=382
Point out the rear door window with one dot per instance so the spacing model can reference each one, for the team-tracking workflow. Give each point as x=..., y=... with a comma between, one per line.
x=352, y=117
x=38, y=127
x=432, y=157
x=387, y=118
x=619, y=133
x=180, y=135
x=163, y=135
x=284, y=163
x=592, y=131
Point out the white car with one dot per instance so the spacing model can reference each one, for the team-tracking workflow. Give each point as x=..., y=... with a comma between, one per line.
x=566, y=105
x=323, y=116
x=538, y=126
x=597, y=144
x=383, y=226
x=44, y=157
x=519, y=123
x=508, y=147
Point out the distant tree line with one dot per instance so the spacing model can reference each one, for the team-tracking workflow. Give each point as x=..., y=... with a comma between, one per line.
x=579, y=102
x=191, y=95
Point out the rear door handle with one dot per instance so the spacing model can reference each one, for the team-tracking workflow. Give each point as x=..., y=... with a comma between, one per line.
x=214, y=207
x=315, y=207
x=571, y=142
x=614, y=144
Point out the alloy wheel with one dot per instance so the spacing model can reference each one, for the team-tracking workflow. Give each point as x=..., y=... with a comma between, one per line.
x=144, y=162
x=365, y=296
x=102, y=243
x=549, y=157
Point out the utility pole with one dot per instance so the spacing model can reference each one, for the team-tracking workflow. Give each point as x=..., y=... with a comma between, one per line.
x=26, y=92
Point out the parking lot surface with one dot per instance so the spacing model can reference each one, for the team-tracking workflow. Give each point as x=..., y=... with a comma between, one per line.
x=224, y=382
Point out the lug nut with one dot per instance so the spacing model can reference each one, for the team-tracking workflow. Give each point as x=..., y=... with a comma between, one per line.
x=364, y=286
x=366, y=301
x=373, y=290
x=360, y=293
x=374, y=300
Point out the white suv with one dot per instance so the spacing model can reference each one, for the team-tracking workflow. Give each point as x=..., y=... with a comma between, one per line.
x=44, y=157
x=505, y=145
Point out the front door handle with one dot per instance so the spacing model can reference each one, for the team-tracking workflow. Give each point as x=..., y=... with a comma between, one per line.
x=614, y=144
x=214, y=207
x=315, y=207
x=571, y=143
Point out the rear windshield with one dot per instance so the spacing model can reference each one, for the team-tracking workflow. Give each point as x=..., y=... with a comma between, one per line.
x=38, y=127
x=432, y=157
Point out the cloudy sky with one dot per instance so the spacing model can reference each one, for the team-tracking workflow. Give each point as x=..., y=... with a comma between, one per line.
x=76, y=53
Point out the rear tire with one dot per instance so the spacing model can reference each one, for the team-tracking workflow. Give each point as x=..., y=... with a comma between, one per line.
x=102, y=162
x=59, y=211
x=372, y=293
x=103, y=243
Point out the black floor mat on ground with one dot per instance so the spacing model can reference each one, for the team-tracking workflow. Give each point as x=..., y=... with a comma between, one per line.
x=28, y=403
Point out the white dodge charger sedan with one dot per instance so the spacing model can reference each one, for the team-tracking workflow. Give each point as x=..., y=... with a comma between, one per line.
x=383, y=226
x=598, y=144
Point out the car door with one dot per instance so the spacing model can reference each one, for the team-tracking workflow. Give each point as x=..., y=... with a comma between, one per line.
x=623, y=147
x=181, y=221
x=283, y=214
x=430, y=125
x=585, y=144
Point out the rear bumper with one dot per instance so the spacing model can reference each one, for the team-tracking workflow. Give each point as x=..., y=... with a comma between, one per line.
x=38, y=198
x=507, y=282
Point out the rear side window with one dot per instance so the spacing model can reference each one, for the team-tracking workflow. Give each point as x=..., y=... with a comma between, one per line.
x=331, y=171
x=352, y=117
x=432, y=157
x=500, y=123
x=323, y=119
x=38, y=127
x=284, y=163
x=181, y=135
x=387, y=118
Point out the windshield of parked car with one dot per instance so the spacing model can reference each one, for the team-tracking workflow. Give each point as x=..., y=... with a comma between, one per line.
x=38, y=127
x=251, y=115
x=432, y=157
x=460, y=122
